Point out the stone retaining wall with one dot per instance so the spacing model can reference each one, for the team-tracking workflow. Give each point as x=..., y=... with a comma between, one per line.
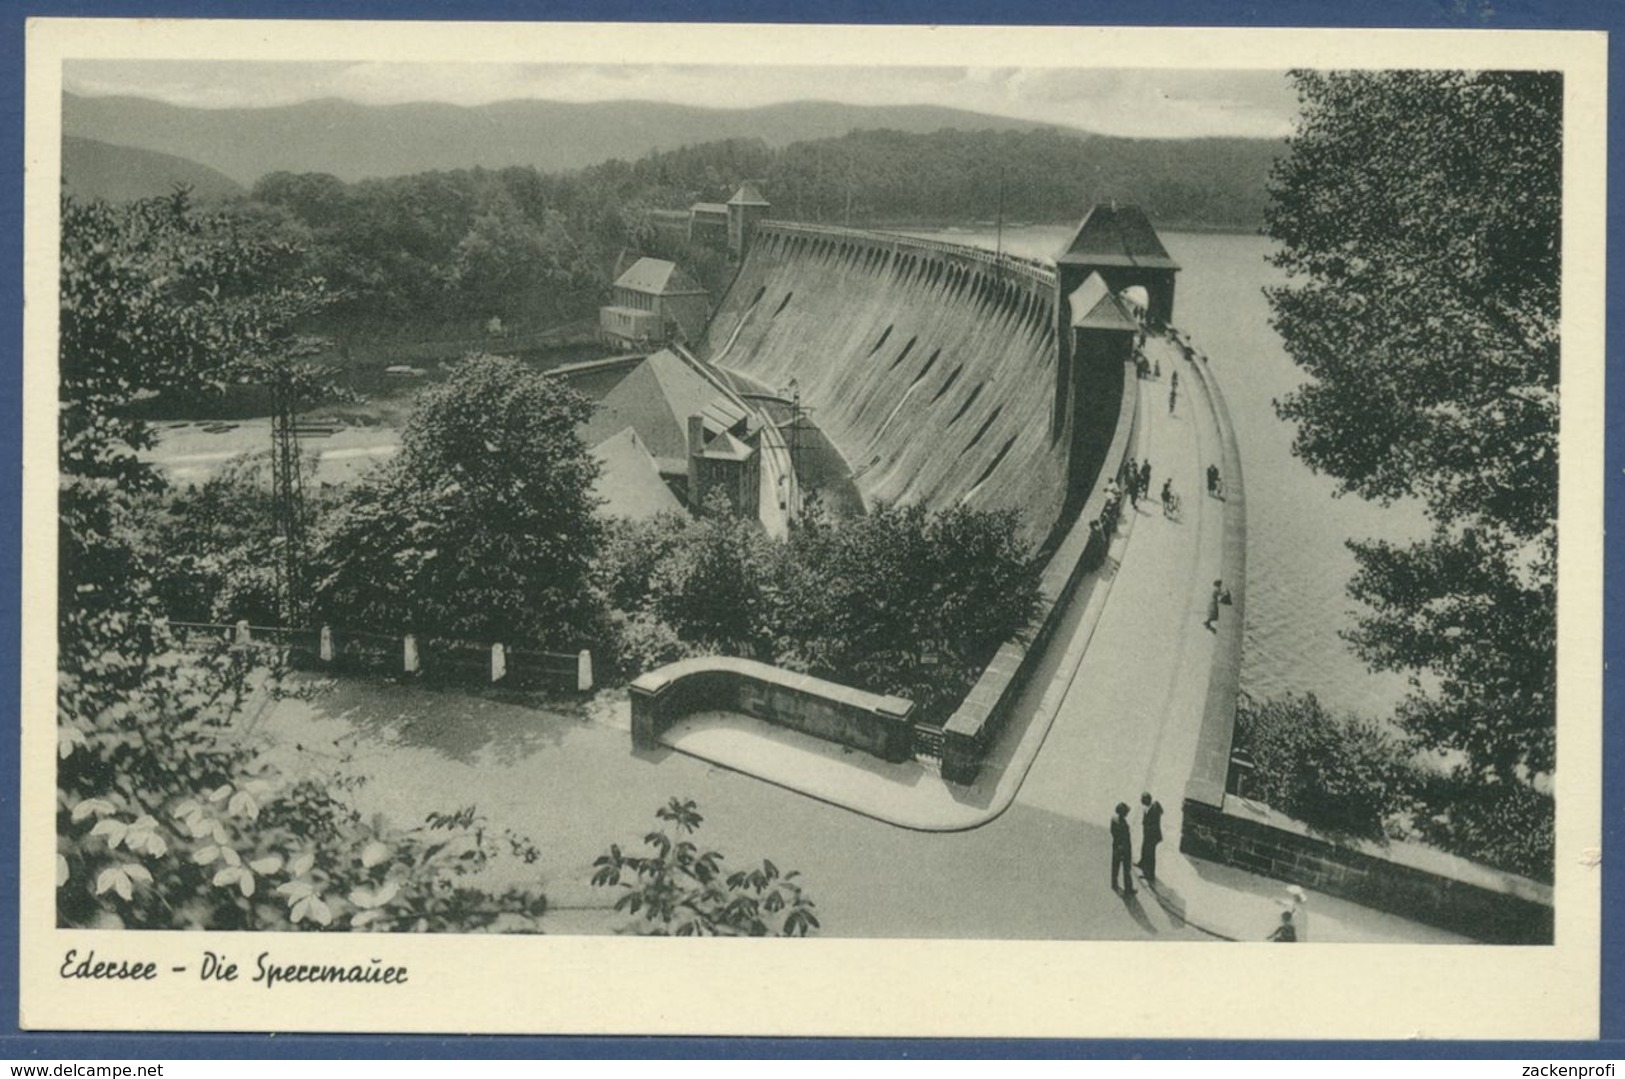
x=1412, y=881
x=877, y=724
x=970, y=731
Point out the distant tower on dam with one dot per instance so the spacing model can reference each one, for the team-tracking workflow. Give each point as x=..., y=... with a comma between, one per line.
x=1114, y=249
x=1118, y=243
x=746, y=210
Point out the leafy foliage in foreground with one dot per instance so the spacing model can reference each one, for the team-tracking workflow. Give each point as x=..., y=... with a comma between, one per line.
x=679, y=889
x=1419, y=215
x=170, y=814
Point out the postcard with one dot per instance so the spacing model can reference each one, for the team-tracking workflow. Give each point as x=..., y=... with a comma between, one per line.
x=796, y=530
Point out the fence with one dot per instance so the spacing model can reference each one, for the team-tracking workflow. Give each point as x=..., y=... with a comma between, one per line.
x=438, y=658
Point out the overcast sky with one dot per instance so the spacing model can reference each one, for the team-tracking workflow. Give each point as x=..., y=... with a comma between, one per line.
x=1149, y=104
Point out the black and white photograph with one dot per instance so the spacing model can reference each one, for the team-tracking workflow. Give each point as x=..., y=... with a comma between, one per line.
x=1093, y=503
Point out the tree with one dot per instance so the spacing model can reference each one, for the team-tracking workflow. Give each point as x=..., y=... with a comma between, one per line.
x=1335, y=772
x=168, y=814
x=900, y=600
x=710, y=587
x=906, y=601
x=680, y=890
x=483, y=526
x=1419, y=216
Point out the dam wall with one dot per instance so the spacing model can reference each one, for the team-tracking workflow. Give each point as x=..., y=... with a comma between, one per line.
x=930, y=367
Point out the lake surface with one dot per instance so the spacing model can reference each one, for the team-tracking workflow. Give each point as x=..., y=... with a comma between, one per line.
x=1297, y=561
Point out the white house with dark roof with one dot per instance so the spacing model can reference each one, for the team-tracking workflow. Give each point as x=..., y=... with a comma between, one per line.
x=654, y=302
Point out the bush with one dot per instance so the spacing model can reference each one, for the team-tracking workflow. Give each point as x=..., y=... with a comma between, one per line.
x=1505, y=825
x=643, y=642
x=896, y=601
x=216, y=547
x=1347, y=776
x=1337, y=773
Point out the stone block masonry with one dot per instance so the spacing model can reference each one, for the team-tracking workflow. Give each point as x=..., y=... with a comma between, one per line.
x=1412, y=881
x=877, y=724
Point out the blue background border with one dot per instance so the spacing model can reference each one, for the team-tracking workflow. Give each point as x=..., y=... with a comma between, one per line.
x=1428, y=14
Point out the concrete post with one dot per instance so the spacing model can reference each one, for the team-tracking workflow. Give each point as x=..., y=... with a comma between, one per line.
x=410, y=657
x=242, y=634
x=499, y=663
x=327, y=644
x=584, y=671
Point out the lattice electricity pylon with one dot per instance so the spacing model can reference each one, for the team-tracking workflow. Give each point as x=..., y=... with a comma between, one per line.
x=292, y=382
x=288, y=495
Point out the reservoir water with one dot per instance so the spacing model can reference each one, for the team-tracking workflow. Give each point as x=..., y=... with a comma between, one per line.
x=1297, y=561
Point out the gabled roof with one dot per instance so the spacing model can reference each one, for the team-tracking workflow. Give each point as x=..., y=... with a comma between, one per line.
x=1117, y=235
x=1097, y=307
x=655, y=399
x=726, y=447
x=722, y=415
x=629, y=481
x=748, y=195
x=657, y=277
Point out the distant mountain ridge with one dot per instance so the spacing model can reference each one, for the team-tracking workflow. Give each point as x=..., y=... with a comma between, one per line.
x=100, y=170
x=354, y=141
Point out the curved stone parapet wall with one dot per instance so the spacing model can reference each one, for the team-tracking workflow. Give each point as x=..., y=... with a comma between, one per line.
x=931, y=367
x=872, y=722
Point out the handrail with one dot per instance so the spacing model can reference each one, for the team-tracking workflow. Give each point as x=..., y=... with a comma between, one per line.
x=1037, y=273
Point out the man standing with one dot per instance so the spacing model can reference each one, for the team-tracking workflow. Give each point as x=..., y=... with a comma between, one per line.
x=1122, y=849
x=1150, y=836
x=1213, y=602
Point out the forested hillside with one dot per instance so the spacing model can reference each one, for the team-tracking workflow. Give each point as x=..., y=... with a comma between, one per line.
x=355, y=141
x=957, y=177
x=436, y=256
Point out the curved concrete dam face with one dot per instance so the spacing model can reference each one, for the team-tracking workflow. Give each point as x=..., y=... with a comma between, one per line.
x=932, y=368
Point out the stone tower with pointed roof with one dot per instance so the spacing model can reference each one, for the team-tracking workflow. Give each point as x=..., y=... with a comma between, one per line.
x=746, y=210
x=1118, y=242
x=1115, y=248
